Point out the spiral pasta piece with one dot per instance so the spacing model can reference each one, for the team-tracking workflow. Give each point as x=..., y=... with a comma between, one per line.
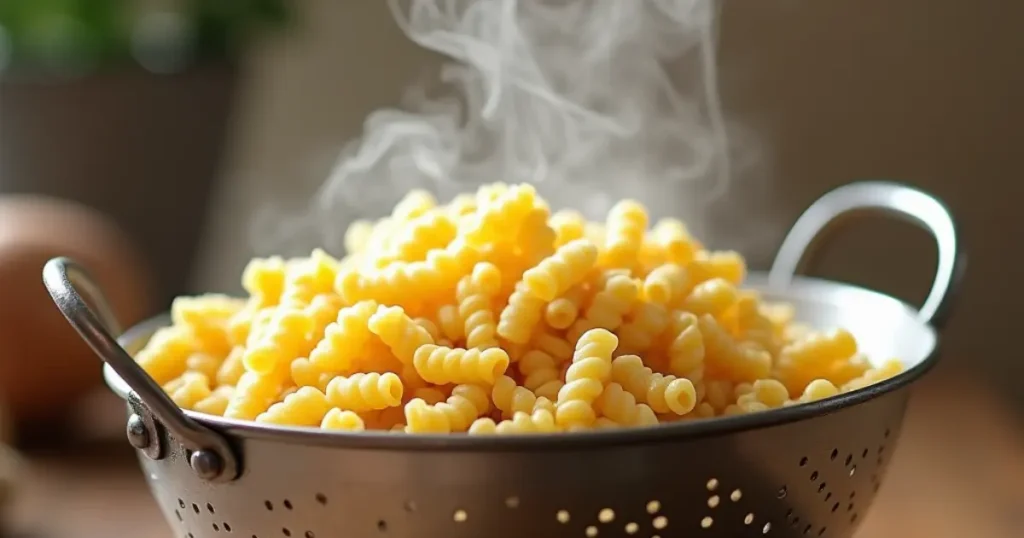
x=441, y=365
x=499, y=215
x=713, y=296
x=461, y=409
x=593, y=356
x=474, y=294
x=365, y=392
x=536, y=238
x=627, y=222
x=666, y=285
x=609, y=306
x=305, y=407
x=621, y=407
x=263, y=279
x=190, y=389
x=686, y=349
x=646, y=323
x=207, y=318
x=568, y=226
x=216, y=402
x=345, y=339
x=540, y=421
x=339, y=420
x=563, y=311
x=165, y=357
x=282, y=341
x=724, y=357
x=557, y=273
x=401, y=334
x=727, y=265
x=672, y=238
x=813, y=357
x=510, y=398
x=664, y=394
x=538, y=368
x=520, y=316
x=426, y=232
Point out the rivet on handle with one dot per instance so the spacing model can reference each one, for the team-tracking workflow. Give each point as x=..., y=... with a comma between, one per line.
x=892, y=199
x=212, y=457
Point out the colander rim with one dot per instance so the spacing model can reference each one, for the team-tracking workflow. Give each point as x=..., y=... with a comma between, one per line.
x=672, y=432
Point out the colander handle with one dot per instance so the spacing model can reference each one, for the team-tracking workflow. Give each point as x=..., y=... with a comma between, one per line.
x=890, y=198
x=212, y=458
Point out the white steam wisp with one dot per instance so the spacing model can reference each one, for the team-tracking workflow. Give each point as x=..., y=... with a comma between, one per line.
x=591, y=100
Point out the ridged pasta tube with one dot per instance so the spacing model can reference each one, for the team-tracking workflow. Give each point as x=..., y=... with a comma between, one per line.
x=443, y=365
x=365, y=392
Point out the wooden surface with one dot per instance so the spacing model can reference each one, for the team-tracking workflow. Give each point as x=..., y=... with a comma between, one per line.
x=958, y=472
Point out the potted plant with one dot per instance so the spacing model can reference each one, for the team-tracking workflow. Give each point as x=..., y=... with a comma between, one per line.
x=123, y=105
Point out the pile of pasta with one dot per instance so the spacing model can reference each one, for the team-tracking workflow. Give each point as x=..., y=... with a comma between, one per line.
x=493, y=315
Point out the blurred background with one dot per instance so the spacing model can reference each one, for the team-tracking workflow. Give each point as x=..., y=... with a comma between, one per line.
x=146, y=152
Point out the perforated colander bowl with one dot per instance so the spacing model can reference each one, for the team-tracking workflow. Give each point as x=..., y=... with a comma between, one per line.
x=806, y=470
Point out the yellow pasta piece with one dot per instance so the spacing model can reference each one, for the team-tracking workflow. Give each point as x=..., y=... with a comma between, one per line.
x=663, y=394
x=401, y=334
x=216, y=403
x=556, y=274
x=365, y=392
x=165, y=356
x=345, y=340
x=474, y=294
x=627, y=222
x=568, y=226
x=339, y=420
x=305, y=407
x=440, y=365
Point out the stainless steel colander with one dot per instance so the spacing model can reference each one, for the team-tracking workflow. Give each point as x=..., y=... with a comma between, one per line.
x=806, y=470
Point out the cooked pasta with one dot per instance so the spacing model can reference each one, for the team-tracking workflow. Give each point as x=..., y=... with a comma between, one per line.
x=491, y=315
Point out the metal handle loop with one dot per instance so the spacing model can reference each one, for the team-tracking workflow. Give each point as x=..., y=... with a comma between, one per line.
x=892, y=199
x=212, y=457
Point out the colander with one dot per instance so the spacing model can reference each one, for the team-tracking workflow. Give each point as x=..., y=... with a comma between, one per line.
x=806, y=470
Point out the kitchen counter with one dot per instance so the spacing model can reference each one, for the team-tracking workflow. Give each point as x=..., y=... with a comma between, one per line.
x=957, y=473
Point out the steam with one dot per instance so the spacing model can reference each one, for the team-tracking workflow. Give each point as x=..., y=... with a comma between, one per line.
x=590, y=100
